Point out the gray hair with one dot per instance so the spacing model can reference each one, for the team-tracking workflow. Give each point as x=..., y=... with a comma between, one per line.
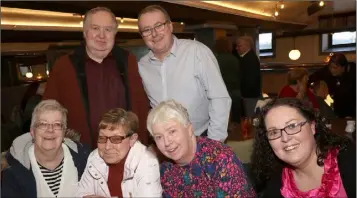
x=154, y=8
x=248, y=40
x=99, y=9
x=166, y=111
x=49, y=105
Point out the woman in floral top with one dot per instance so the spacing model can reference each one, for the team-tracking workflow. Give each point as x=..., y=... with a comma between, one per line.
x=200, y=167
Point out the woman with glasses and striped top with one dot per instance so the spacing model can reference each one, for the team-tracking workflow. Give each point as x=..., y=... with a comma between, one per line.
x=43, y=163
x=296, y=155
x=121, y=166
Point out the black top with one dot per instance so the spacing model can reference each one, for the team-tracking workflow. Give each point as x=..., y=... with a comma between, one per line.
x=250, y=75
x=346, y=160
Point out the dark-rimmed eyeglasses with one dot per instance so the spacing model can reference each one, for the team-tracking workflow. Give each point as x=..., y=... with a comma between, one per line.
x=158, y=28
x=116, y=139
x=45, y=126
x=291, y=129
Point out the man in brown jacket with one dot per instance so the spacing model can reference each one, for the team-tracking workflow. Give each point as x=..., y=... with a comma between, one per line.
x=97, y=77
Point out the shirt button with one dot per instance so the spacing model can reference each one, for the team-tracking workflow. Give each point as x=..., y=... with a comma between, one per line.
x=101, y=182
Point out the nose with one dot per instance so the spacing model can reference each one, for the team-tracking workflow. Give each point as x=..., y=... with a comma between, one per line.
x=50, y=127
x=101, y=34
x=284, y=136
x=167, y=141
x=153, y=33
x=108, y=145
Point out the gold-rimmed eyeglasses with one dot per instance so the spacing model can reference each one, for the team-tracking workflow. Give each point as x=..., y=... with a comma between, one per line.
x=158, y=28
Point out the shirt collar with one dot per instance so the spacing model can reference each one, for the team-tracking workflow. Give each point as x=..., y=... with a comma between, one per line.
x=244, y=54
x=173, y=49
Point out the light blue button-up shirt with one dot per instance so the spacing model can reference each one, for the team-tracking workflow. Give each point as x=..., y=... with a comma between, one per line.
x=190, y=75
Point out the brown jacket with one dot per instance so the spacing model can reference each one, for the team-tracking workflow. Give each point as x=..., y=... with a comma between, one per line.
x=67, y=84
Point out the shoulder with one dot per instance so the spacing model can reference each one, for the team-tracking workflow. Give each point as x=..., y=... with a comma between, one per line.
x=62, y=62
x=167, y=168
x=146, y=156
x=214, y=148
x=144, y=60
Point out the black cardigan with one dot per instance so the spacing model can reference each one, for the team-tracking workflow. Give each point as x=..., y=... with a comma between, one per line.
x=346, y=160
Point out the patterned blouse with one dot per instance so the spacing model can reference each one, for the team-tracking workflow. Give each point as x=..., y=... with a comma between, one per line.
x=215, y=171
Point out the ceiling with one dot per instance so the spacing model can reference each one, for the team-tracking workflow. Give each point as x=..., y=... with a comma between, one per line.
x=241, y=13
x=294, y=12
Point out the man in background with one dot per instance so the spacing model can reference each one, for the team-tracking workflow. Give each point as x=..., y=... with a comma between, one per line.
x=250, y=74
x=97, y=77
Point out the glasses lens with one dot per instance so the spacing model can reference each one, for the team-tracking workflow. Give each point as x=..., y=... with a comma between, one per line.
x=102, y=139
x=116, y=139
x=146, y=32
x=273, y=134
x=57, y=126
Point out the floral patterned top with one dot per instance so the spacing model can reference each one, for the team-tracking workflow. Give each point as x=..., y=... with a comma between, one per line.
x=215, y=171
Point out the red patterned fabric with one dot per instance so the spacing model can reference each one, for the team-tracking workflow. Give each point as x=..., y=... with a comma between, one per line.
x=288, y=92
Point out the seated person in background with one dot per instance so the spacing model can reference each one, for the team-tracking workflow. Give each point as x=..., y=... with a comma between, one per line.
x=121, y=166
x=344, y=88
x=295, y=155
x=320, y=90
x=200, y=167
x=46, y=165
x=297, y=87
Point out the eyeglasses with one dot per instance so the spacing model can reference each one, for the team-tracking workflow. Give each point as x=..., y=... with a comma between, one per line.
x=45, y=126
x=116, y=139
x=158, y=28
x=291, y=129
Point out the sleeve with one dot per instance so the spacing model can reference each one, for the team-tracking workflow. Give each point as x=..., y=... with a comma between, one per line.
x=287, y=92
x=148, y=180
x=231, y=177
x=9, y=185
x=219, y=99
x=86, y=184
x=52, y=85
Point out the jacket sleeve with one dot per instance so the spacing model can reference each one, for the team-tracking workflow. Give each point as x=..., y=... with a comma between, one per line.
x=86, y=184
x=148, y=180
x=52, y=86
x=9, y=186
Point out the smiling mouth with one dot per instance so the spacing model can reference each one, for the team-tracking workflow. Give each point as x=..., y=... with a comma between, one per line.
x=172, y=150
x=291, y=147
x=49, y=138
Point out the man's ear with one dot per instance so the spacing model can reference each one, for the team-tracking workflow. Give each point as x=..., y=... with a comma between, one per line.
x=133, y=139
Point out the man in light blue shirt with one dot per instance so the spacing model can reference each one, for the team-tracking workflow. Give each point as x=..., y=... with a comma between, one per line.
x=183, y=70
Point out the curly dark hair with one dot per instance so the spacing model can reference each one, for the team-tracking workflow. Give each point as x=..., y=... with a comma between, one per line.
x=264, y=161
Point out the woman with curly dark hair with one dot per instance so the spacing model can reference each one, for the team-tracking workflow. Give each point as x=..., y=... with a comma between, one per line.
x=296, y=155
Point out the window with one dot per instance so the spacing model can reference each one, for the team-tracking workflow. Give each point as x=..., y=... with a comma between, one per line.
x=266, y=44
x=342, y=39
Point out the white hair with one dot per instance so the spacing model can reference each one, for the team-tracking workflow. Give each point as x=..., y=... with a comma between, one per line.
x=166, y=111
x=49, y=105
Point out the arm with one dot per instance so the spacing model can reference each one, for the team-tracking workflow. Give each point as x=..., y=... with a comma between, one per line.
x=9, y=186
x=148, y=178
x=231, y=178
x=219, y=99
x=86, y=184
